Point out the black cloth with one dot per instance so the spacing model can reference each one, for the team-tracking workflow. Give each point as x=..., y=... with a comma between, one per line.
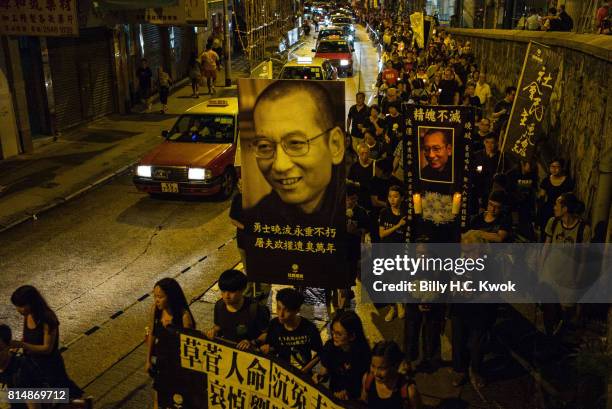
x=51, y=365
x=165, y=343
x=449, y=89
x=21, y=372
x=425, y=325
x=358, y=117
x=386, y=220
x=294, y=347
x=346, y=368
x=524, y=188
x=501, y=122
x=556, y=25
x=552, y=193
x=236, y=214
x=471, y=324
x=144, y=78
x=395, y=132
x=395, y=401
x=445, y=175
x=362, y=175
x=370, y=126
x=567, y=23
x=379, y=187
x=483, y=179
x=477, y=143
x=163, y=95
x=502, y=222
x=357, y=217
x=249, y=322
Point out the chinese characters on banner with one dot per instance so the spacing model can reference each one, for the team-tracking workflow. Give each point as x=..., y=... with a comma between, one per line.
x=49, y=18
x=540, y=70
x=436, y=162
x=293, y=176
x=236, y=379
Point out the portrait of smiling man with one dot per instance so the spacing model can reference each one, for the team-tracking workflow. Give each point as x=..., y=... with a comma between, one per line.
x=296, y=142
x=437, y=148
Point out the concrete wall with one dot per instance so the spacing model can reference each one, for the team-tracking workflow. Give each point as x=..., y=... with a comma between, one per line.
x=578, y=124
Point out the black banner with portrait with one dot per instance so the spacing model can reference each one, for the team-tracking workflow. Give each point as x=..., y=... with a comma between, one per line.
x=436, y=161
x=538, y=77
x=293, y=177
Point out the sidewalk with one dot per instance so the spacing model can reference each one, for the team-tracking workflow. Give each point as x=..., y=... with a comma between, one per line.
x=85, y=157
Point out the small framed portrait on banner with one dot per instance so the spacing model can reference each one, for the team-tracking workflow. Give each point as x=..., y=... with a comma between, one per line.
x=436, y=155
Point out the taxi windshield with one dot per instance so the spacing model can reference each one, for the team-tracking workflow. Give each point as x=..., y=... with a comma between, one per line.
x=333, y=47
x=301, y=73
x=207, y=128
x=341, y=20
x=330, y=33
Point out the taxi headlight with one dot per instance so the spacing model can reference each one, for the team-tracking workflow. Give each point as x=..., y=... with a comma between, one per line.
x=344, y=63
x=198, y=174
x=143, y=171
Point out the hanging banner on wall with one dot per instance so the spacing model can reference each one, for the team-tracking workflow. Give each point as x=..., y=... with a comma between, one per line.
x=33, y=18
x=538, y=77
x=436, y=162
x=214, y=375
x=293, y=181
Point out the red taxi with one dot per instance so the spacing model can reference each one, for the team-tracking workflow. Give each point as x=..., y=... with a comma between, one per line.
x=197, y=157
x=339, y=52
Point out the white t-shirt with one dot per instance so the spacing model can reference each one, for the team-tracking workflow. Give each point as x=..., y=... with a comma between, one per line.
x=483, y=92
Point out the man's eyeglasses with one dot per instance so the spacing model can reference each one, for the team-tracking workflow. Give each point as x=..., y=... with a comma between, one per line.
x=435, y=149
x=293, y=145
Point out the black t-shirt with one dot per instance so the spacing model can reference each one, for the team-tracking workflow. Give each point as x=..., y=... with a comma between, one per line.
x=502, y=222
x=358, y=117
x=502, y=120
x=249, y=322
x=144, y=77
x=21, y=372
x=386, y=220
x=358, y=218
x=449, y=89
x=379, y=187
x=236, y=214
x=346, y=368
x=294, y=347
x=524, y=186
x=395, y=132
x=362, y=175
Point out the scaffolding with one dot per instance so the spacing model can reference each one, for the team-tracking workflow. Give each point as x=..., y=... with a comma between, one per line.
x=262, y=25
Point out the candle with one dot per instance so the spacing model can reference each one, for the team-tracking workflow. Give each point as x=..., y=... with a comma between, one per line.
x=456, y=203
x=418, y=208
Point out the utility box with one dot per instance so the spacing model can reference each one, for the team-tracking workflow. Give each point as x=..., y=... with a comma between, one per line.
x=9, y=136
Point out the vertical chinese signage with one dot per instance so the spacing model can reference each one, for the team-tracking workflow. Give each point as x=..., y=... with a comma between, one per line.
x=225, y=377
x=293, y=178
x=540, y=70
x=49, y=18
x=436, y=160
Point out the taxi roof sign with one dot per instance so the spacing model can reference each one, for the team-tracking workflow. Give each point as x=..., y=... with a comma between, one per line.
x=217, y=103
x=304, y=60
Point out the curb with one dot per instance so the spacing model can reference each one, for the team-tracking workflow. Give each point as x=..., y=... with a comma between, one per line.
x=61, y=200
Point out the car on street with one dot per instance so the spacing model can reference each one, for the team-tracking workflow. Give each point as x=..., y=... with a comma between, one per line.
x=345, y=22
x=339, y=52
x=308, y=68
x=333, y=32
x=197, y=156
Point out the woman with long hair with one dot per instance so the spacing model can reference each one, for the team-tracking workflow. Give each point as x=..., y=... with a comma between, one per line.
x=170, y=312
x=345, y=357
x=40, y=339
x=551, y=187
x=383, y=386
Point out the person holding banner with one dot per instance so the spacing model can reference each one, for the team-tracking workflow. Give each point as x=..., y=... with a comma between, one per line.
x=170, y=312
x=238, y=318
x=291, y=337
x=345, y=357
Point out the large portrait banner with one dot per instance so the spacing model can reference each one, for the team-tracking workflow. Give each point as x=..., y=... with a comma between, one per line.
x=215, y=375
x=436, y=159
x=293, y=181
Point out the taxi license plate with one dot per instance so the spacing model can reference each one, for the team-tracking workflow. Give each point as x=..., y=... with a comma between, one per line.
x=169, y=187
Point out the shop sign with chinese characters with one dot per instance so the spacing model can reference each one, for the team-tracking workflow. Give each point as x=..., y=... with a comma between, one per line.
x=539, y=75
x=49, y=18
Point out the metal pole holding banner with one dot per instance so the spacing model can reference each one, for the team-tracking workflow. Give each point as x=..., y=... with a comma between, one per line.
x=228, y=51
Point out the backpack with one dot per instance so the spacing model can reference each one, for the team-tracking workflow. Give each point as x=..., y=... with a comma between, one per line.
x=581, y=225
x=403, y=389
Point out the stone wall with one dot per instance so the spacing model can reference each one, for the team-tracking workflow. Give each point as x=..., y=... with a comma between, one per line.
x=578, y=124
